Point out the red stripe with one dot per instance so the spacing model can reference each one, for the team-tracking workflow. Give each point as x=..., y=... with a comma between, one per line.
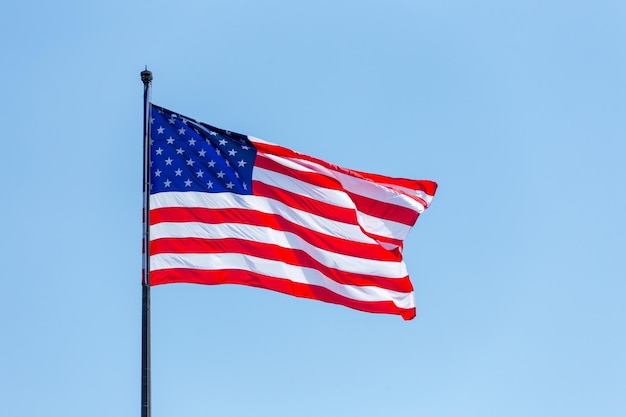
x=385, y=239
x=384, y=211
x=429, y=187
x=313, y=178
x=288, y=153
x=269, y=251
x=236, y=276
x=306, y=204
x=276, y=222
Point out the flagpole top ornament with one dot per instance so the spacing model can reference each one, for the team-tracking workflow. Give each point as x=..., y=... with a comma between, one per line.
x=146, y=76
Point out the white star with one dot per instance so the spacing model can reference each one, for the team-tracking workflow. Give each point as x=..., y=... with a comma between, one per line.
x=160, y=130
x=230, y=185
x=209, y=184
x=245, y=148
x=151, y=141
x=157, y=173
x=232, y=152
x=201, y=152
x=188, y=183
x=223, y=142
x=179, y=172
x=199, y=173
x=181, y=131
x=172, y=120
x=245, y=186
x=227, y=162
x=170, y=140
x=212, y=133
x=167, y=183
x=189, y=162
x=211, y=163
x=192, y=142
x=185, y=120
x=159, y=151
x=169, y=161
x=220, y=174
x=152, y=120
x=180, y=151
x=236, y=174
x=242, y=163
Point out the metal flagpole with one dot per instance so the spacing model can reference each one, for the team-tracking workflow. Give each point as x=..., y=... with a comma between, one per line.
x=146, y=77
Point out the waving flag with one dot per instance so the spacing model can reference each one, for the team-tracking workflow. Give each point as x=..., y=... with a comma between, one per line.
x=232, y=209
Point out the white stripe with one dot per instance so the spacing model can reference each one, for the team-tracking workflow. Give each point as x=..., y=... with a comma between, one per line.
x=262, y=234
x=291, y=184
x=277, y=269
x=376, y=191
x=383, y=227
x=290, y=163
x=261, y=204
x=418, y=193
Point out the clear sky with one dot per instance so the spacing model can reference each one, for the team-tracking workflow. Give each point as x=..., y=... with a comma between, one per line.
x=517, y=110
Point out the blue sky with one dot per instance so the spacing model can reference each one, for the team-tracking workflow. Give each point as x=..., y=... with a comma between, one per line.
x=516, y=109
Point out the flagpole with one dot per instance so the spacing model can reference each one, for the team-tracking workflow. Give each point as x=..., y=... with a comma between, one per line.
x=146, y=77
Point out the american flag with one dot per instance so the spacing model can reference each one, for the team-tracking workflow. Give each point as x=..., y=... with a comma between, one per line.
x=232, y=209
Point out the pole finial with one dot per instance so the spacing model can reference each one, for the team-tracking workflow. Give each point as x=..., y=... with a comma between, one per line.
x=146, y=76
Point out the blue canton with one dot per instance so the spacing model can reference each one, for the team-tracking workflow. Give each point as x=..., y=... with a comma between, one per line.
x=187, y=155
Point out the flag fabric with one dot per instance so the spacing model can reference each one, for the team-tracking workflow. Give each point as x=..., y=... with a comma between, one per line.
x=225, y=208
